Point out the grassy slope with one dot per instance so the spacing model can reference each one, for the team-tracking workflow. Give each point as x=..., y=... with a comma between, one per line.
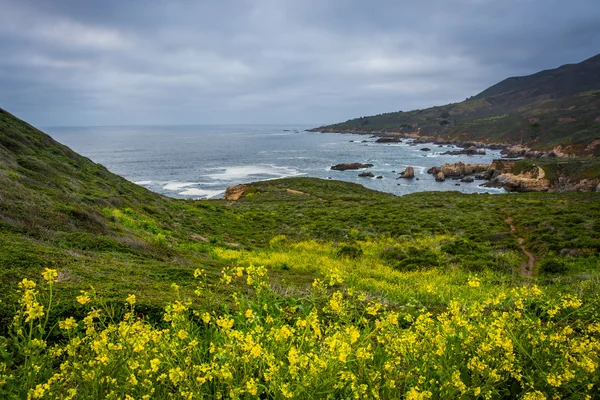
x=550, y=108
x=60, y=210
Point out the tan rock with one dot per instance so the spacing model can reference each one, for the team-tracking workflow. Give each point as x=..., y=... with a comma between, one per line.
x=408, y=173
x=235, y=192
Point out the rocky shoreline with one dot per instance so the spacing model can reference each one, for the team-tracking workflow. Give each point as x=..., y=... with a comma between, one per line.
x=469, y=147
x=501, y=174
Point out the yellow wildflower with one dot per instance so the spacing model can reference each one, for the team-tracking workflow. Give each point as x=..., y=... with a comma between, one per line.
x=68, y=324
x=131, y=299
x=50, y=275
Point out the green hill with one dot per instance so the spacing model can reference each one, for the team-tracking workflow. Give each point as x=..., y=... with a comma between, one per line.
x=558, y=107
x=361, y=291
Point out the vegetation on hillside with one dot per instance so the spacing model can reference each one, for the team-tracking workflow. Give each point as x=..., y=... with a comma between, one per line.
x=303, y=287
x=543, y=110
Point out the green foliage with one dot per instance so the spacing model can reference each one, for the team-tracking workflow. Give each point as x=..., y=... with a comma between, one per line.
x=417, y=254
x=349, y=251
x=552, y=266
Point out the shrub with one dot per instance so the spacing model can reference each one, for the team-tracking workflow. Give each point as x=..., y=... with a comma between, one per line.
x=349, y=251
x=552, y=266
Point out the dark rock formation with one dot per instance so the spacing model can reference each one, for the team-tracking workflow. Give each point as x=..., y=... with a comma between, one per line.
x=389, y=139
x=344, y=167
x=366, y=174
x=470, y=151
x=425, y=149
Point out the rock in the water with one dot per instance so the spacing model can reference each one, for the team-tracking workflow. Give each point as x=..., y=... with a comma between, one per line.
x=458, y=169
x=467, y=179
x=425, y=149
x=470, y=151
x=344, y=167
x=379, y=177
x=366, y=174
x=389, y=139
x=235, y=192
x=409, y=173
x=440, y=177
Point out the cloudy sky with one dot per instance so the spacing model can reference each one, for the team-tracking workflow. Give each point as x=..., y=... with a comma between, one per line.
x=116, y=62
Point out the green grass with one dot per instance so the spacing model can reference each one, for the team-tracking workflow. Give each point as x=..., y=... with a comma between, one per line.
x=415, y=254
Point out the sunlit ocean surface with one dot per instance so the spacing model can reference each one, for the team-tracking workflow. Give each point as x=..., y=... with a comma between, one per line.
x=202, y=161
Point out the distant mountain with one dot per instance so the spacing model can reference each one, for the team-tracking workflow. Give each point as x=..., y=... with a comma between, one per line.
x=558, y=108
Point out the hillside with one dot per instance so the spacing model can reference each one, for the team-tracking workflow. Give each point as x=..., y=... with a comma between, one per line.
x=554, y=108
x=301, y=288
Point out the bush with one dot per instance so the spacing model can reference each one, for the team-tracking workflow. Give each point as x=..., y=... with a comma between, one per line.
x=411, y=258
x=349, y=251
x=552, y=266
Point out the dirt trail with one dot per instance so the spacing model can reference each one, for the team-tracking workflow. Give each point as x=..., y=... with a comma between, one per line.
x=527, y=266
x=293, y=191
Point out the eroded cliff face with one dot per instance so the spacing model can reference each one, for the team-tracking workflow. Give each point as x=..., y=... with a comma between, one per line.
x=235, y=192
x=533, y=180
x=505, y=174
x=459, y=169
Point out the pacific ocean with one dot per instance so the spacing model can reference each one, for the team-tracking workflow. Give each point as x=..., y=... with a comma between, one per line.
x=201, y=161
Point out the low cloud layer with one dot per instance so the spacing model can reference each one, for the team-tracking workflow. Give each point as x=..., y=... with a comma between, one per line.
x=112, y=62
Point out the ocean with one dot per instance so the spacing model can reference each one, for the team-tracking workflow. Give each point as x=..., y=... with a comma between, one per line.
x=200, y=162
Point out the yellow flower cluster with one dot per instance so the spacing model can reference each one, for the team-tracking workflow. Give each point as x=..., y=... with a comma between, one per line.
x=335, y=342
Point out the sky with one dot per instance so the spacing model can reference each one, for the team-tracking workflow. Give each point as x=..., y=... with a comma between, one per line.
x=148, y=62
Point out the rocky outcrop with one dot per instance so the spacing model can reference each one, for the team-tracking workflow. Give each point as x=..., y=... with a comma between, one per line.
x=344, y=167
x=564, y=184
x=458, y=169
x=440, y=177
x=235, y=192
x=530, y=181
x=469, y=151
x=425, y=149
x=366, y=175
x=408, y=173
x=389, y=139
x=523, y=152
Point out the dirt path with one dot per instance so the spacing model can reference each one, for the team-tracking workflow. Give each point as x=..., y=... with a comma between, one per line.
x=295, y=191
x=527, y=266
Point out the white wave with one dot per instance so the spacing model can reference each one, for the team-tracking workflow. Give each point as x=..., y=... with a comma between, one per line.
x=142, y=183
x=178, y=185
x=238, y=173
x=201, y=193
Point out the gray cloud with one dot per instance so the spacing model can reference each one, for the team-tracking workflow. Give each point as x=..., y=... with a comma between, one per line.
x=272, y=61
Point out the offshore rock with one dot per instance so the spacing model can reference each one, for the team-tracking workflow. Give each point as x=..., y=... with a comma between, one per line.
x=366, y=175
x=408, y=173
x=389, y=139
x=470, y=151
x=440, y=177
x=344, y=167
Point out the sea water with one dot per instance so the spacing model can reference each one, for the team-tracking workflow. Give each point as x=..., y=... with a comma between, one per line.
x=200, y=162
